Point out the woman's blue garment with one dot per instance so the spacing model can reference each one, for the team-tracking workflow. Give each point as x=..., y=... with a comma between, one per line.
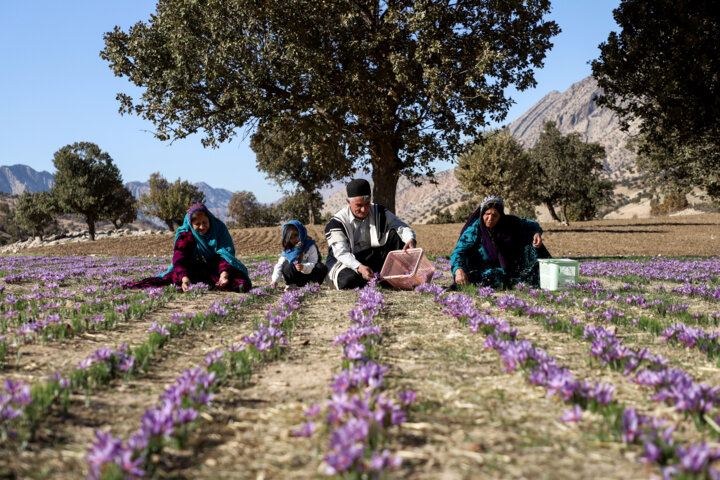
x=304, y=242
x=504, y=256
x=216, y=242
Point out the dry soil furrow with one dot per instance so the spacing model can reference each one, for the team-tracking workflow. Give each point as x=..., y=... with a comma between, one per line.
x=33, y=362
x=249, y=435
x=472, y=420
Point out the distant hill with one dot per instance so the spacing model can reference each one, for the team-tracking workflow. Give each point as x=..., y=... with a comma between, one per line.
x=575, y=110
x=15, y=179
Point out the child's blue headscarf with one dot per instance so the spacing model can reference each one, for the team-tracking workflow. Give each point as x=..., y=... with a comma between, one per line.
x=217, y=241
x=304, y=242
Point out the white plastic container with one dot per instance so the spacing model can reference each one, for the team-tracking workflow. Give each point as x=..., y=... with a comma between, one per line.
x=556, y=273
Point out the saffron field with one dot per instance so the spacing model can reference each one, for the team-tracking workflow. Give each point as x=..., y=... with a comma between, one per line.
x=615, y=377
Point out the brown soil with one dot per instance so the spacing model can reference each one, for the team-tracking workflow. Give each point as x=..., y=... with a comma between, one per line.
x=682, y=235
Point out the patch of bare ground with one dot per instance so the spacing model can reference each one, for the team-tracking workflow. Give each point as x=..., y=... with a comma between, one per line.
x=62, y=442
x=248, y=431
x=681, y=235
x=474, y=421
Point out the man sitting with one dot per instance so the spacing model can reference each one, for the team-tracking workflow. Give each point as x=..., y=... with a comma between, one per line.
x=360, y=236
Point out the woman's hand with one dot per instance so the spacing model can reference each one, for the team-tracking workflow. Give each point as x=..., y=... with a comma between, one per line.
x=537, y=240
x=224, y=279
x=273, y=284
x=298, y=267
x=461, y=277
x=186, y=284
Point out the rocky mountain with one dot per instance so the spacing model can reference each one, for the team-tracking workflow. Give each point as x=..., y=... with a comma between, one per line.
x=15, y=179
x=575, y=111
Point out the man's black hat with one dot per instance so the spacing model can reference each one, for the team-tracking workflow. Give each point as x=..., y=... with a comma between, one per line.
x=358, y=187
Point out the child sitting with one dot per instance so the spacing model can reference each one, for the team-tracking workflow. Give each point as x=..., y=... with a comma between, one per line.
x=203, y=252
x=299, y=262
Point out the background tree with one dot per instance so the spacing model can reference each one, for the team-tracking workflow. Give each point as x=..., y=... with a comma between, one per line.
x=308, y=160
x=397, y=83
x=568, y=172
x=245, y=210
x=169, y=201
x=35, y=211
x=497, y=164
x=661, y=71
x=85, y=181
x=122, y=208
x=299, y=206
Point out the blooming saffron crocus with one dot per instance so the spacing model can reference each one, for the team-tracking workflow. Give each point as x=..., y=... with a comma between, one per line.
x=572, y=415
x=306, y=430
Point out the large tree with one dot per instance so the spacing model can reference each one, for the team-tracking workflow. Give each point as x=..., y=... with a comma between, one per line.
x=497, y=164
x=85, y=182
x=397, y=83
x=122, y=208
x=308, y=161
x=246, y=211
x=568, y=174
x=661, y=71
x=169, y=201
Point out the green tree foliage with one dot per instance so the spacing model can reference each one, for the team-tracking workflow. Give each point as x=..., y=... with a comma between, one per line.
x=661, y=70
x=35, y=211
x=568, y=173
x=309, y=160
x=462, y=213
x=245, y=210
x=169, y=201
x=498, y=165
x=122, y=209
x=299, y=206
x=397, y=84
x=85, y=182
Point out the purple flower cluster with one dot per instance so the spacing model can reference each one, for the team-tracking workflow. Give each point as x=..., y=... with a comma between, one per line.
x=359, y=411
x=672, y=386
x=660, y=268
x=692, y=337
x=179, y=405
x=272, y=334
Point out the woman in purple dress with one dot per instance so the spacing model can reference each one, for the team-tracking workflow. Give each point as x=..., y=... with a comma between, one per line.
x=203, y=252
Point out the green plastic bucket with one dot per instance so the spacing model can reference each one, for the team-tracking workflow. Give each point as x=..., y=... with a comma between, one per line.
x=556, y=273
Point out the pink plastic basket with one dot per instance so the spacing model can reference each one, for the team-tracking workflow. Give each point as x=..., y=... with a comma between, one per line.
x=407, y=270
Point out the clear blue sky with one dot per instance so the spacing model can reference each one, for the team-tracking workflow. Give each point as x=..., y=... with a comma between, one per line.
x=56, y=90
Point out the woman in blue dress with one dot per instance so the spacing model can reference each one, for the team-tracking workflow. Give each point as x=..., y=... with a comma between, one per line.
x=496, y=249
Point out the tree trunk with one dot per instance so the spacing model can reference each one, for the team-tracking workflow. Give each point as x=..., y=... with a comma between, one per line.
x=551, y=209
x=385, y=174
x=563, y=210
x=311, y=215
x=91, y=226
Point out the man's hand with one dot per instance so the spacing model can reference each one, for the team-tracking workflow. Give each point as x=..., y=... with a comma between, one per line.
x=186, y=284
x=366, y=272
x=224, y=279
x=537, y=240
x=461, y=277
x=410, y=244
